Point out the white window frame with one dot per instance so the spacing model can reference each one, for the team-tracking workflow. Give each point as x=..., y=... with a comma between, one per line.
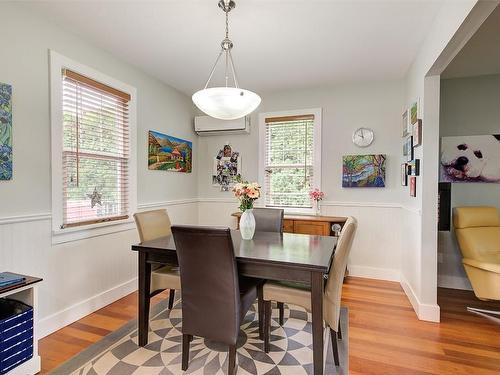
x=57, y=63
x=317, y=112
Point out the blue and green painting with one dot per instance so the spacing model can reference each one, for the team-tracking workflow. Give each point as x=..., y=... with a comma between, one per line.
x=363, y=171
x=5, y=131
x=169, y=153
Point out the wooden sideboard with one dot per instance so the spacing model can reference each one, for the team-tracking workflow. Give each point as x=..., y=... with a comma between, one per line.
x=307, y=224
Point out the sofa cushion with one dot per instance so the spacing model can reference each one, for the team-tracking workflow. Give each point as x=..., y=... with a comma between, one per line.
x=481, y=244
x=468, y=217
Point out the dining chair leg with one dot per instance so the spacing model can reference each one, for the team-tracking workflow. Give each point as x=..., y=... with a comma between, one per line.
x=339, y=332
x=260, y=308
x=186, y=339
x=171, y=298
x=335, y=347
x=231, y=369
x=281, y=308
x=267, y=325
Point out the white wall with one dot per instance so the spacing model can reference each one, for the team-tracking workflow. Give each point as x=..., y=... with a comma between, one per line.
x=469, y=106
x=444, y=39
x=81, y=275
x=376, y=251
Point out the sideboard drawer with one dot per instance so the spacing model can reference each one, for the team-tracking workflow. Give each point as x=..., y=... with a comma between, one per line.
x=288, y=226
x=320, y=228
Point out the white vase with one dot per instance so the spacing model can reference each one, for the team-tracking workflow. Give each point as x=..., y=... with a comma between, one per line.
x=318, y=208
x=247, y=224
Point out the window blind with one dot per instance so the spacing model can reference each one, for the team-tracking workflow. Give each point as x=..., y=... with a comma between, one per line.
x=289, y=163
x=95, y=156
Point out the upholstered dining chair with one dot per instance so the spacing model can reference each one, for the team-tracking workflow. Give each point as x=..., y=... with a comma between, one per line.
x=214, y=298
x=300, y=295
x=268, y=219
x=151, y=225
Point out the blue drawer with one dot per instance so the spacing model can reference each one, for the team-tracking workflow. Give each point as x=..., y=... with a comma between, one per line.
x=16, y=334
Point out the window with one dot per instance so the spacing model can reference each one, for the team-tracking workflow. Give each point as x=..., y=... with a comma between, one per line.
x=93, y=154
x=95, y=151
x=290, y=152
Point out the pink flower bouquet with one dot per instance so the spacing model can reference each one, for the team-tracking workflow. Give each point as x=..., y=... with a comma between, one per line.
x=316, y=195
x=247, y=193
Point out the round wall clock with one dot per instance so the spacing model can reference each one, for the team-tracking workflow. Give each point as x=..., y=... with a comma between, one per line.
x=363, y=137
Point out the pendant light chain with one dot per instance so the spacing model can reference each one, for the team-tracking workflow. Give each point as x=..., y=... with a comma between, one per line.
x=227, y=23
x=226, y=103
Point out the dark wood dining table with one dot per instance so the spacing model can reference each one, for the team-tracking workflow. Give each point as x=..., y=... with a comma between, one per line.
x=272, y=256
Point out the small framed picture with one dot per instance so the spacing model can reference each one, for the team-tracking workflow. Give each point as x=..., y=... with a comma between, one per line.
x=408, y=148
x=404, y=174
x=414, y=113
x=414, y=167
x=405, y=124
x=417, y=133
x=413, y=186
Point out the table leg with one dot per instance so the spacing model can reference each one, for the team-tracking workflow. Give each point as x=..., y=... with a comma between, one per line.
x=144, y=290
x=317, y=320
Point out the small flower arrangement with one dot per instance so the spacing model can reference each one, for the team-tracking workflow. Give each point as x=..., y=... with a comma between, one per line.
x=246, y=192
x=316, y=195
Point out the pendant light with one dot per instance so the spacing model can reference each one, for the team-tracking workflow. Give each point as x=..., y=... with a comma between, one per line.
x=226, y=103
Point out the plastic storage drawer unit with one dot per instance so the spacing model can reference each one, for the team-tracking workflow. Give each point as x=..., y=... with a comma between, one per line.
x=16, y=334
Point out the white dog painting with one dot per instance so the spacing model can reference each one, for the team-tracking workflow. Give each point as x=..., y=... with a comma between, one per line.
x=470, y=159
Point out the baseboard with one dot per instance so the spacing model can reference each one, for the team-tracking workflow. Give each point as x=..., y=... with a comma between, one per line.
x=374, y=273
x=454, y=282
x=427, y=312
x=77, y=311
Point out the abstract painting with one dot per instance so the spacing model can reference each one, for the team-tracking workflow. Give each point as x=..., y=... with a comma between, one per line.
x=473, y=158
x=5, y=132
x=414, y=113
x=363, y=171
x=169, y=153
x=405, y=123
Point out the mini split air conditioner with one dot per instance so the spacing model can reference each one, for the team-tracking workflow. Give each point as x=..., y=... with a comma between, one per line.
x=206, y=125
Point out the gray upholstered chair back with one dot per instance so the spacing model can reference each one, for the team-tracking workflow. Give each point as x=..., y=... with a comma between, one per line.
x=268, y=219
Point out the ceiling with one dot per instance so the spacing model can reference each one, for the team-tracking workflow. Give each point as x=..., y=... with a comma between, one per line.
x=278, y=44
x=481, y=54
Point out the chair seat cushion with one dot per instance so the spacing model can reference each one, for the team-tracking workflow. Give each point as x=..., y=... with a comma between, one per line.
x=165, y=277
x=248, y=293
x=287, y=292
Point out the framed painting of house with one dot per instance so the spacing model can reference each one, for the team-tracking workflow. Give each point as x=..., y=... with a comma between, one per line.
x=169, y=153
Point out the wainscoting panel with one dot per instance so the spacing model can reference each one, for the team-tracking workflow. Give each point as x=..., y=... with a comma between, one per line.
x=376, y=248
x=79, y=276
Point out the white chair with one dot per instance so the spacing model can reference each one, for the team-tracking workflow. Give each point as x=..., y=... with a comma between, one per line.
x=300, y=295
x=151, y=225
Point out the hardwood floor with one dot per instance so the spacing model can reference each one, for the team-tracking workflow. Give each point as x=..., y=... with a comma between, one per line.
x=385, y=337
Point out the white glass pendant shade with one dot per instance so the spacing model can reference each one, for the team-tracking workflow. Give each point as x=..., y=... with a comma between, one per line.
x=226, y=103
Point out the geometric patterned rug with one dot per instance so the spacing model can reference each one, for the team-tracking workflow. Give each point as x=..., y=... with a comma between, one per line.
x=290, y=351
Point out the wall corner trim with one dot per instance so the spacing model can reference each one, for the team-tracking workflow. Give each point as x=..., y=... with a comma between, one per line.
x=427, y=312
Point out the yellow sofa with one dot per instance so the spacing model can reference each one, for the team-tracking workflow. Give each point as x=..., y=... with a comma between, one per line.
x=478, y=234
